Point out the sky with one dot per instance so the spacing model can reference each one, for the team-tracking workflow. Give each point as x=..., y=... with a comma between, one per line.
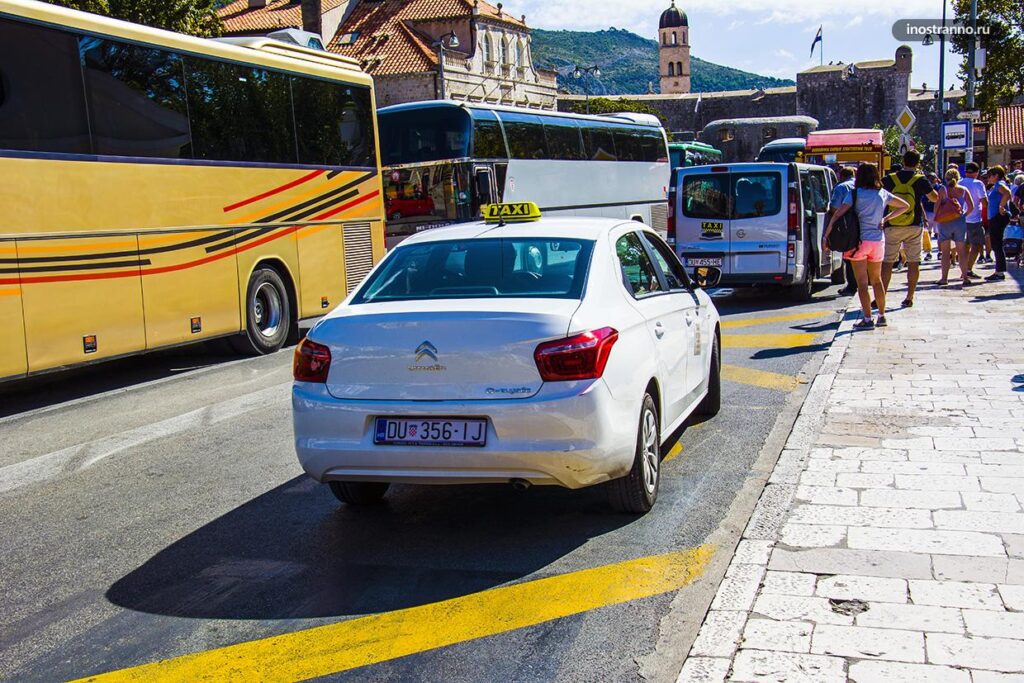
x=769, y=38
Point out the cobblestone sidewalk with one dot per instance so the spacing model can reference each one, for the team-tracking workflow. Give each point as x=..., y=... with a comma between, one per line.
x=889, y=542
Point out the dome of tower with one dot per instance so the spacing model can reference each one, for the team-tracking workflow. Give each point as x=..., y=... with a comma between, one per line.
x=673, y=17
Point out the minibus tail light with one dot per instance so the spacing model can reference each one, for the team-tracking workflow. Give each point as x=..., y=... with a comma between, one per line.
x=794, y=214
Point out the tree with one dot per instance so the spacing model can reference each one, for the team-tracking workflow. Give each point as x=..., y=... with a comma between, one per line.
x=1003, y=38
x=891, y=142
x=194, y=17
x=604, y=105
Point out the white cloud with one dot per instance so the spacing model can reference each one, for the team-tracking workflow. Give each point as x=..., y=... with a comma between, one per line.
x=783, y=53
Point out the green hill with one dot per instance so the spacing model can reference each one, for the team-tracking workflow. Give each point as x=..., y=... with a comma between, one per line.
x=629, y=63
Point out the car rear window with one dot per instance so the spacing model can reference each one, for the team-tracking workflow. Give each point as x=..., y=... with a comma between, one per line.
x=706, y=196
x=533, y=267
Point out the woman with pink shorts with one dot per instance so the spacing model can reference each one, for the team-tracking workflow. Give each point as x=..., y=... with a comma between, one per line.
x=871, y=202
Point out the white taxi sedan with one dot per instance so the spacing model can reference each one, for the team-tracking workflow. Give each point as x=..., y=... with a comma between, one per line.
x=552, y=351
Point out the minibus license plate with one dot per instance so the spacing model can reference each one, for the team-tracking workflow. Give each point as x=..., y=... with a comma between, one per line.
x=408, y=431
x=704, y=262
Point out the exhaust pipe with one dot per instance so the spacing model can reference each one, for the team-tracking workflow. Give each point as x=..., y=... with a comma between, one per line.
x=520, y=484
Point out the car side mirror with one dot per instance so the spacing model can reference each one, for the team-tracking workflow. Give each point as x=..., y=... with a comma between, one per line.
x=706, y=277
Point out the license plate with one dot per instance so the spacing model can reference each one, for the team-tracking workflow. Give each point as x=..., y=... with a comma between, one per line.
x=409, y=431
x=704, y=262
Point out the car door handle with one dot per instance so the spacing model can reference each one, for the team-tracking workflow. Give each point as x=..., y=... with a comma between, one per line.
x=659, y=330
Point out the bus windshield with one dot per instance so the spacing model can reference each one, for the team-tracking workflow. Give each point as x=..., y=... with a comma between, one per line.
x=425, y=134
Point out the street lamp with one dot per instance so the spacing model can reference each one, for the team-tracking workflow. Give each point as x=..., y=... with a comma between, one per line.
x=439, y=44
x=578, y=73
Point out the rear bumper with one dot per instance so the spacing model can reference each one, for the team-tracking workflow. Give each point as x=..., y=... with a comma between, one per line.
x=569, y=434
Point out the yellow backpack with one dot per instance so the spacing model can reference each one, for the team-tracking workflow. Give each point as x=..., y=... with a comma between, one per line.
x=905, y=191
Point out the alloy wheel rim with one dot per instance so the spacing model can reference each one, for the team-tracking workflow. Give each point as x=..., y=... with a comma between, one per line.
x=649, y=457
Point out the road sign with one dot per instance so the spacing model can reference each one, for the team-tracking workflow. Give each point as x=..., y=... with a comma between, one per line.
x=969, y=115
x=906, y=120
x=906, y=143
x=955, y=134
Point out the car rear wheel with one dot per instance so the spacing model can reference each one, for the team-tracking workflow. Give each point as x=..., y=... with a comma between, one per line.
x=636, y=492
x=804, y=291
x=268, y=314
x=359, y=492
x=712, y=403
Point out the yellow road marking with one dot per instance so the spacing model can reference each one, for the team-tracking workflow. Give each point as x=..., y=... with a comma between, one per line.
x=674, y=453
x=759, y=378
x=750, y=322
x=359, y=642
x=767, y=341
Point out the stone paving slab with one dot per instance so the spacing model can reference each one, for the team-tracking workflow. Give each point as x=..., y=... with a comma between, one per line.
x=888, y=544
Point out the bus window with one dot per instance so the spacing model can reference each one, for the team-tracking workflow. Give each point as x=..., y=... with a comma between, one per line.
x=419, y=135
x=488, y=142
x=136, y=100
x=653, y=145
x=33, y=117
x=599, y=141
x=563, y=139
x=334, y=123
x=628, y=145
x=525, y=136
x=239, y=113
x=706, y=196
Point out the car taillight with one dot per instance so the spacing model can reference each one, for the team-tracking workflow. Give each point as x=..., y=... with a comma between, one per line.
x=582, y=356
x=671, y=227
x=794, y=214
x=311, y=363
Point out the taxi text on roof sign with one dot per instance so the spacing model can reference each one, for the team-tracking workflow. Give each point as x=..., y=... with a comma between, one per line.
x=511, y=213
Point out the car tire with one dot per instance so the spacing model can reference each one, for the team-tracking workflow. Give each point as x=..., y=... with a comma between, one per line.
x=359, y=492
x=268, y=314
x=636, y=492
x=712, y=402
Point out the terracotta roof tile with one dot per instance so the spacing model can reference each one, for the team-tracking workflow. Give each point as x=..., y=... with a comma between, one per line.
x=1008, y=128
x=389, y=41
x=239, y=18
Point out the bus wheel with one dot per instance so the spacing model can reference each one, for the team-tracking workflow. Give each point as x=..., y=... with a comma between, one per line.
x=268, y=315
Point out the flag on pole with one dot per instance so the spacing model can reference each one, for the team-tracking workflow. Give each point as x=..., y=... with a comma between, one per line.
x=817, y=39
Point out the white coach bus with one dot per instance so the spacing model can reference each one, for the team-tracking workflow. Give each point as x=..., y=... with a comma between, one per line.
x=443, y=160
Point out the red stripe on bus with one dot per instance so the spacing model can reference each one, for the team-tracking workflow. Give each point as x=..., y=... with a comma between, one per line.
x=344, y=207
x=276, y=190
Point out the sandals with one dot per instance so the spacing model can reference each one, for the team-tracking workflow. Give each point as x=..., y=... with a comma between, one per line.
x=942, y=283
x=908, y=303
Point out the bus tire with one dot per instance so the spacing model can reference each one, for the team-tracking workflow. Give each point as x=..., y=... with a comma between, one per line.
x=268, y=315
x=804, y=291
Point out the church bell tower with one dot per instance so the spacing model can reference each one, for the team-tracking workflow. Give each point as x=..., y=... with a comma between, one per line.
x=674, y=51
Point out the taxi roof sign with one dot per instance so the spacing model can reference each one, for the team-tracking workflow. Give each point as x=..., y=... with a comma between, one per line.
x=518, y=212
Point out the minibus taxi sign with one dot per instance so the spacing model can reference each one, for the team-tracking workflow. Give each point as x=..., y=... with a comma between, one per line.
x=518, y=212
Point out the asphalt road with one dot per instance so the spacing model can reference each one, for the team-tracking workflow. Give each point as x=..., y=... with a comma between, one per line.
x=153, y=508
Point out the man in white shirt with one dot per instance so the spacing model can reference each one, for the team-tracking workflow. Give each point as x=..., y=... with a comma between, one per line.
x=975, y=230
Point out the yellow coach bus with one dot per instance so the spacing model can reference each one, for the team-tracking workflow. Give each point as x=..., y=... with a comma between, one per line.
x=157, y=189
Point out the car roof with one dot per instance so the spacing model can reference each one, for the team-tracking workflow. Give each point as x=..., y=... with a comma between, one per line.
x=565, y=228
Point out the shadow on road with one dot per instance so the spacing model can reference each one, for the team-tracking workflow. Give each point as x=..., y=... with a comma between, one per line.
x=296, y=553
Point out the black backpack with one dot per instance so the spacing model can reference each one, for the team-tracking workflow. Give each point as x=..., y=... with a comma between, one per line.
x=845, y=233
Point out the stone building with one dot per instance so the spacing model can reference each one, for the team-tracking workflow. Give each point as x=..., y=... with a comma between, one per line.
x=856, y=95
x=674, y=50
x=416, y=49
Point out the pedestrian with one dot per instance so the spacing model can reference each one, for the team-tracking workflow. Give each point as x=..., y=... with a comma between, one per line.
x=905, y=230
x=998, y=219
x=986, y=177
x=975, y=219
x=839, y=194
x=951, y=210
x=871, y=202
x=928, y=206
